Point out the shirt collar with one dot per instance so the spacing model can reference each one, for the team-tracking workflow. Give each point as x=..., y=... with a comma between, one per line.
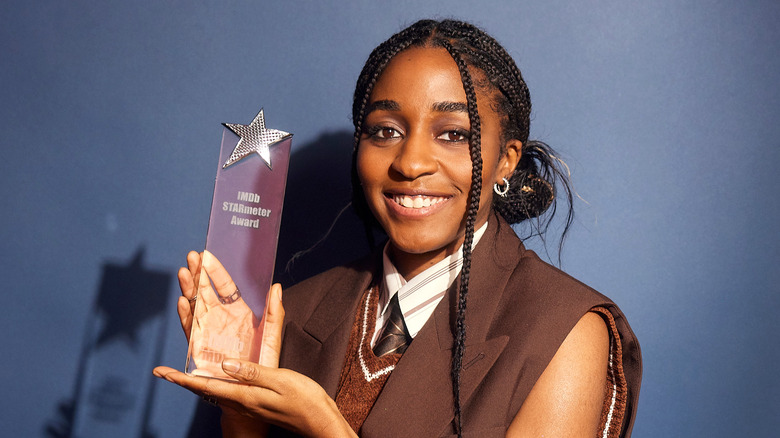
x=420, y=294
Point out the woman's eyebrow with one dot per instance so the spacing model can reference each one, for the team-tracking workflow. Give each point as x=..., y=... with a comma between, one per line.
x=383, y=105
x=450, y=107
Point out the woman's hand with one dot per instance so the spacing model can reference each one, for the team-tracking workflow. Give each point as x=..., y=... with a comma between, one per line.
x=186, y=304
x=196, y=284
x=278, y=396
x=220, y=323
x=265, y=394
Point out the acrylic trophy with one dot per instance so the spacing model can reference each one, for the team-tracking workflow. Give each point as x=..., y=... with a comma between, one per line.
x=237, y=266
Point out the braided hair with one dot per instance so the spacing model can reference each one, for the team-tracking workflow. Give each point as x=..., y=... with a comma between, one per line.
x=531, y=186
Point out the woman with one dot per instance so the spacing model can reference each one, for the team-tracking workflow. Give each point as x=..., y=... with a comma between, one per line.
x=493, y=342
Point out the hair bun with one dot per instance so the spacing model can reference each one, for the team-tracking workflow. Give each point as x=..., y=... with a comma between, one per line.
x=529, y=196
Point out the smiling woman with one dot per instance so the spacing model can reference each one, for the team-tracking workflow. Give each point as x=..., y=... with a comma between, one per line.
x=413, y=160
x=442, y=164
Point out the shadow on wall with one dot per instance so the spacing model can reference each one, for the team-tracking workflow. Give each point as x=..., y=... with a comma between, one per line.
x=318, y=188
x=123, y=339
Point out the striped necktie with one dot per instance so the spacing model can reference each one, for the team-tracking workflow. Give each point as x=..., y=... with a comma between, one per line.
x=394, y=337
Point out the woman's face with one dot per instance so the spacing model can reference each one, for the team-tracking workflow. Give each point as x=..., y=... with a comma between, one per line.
x=413, y=158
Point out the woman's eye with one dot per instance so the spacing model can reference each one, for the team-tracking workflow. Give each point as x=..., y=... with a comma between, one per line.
x=454, y=136
x=388, y=133
x=384, y=133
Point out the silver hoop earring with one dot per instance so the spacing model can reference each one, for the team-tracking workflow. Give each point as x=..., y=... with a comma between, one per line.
x=501, y=191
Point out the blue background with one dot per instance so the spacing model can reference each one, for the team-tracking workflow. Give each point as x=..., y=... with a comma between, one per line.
x=667, y=113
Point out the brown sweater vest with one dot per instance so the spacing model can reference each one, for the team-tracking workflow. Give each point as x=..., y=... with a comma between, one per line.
x=364, y=375
x=613, y=412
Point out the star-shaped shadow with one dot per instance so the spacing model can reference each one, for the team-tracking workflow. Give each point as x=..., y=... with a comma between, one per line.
x=130, y=296
x=255, y=138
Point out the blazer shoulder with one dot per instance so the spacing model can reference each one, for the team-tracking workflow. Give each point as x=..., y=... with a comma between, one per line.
x=538, y=273
x=305, y=296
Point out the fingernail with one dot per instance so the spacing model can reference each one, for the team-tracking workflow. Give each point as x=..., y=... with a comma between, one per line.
x=156, y=373
x=230, y=365
x=280, y=294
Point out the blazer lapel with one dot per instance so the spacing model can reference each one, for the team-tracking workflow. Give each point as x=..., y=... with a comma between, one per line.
x=324, y=337
x=417, y=399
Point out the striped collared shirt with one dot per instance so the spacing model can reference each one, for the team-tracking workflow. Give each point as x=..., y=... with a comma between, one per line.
x=419, y=296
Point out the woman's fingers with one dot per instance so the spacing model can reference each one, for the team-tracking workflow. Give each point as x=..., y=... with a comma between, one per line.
x=203, y=282
x=184, y=308
x=186, y=283
x=260, y=388
x=274, y=395
x=288, y=399
x=273, y=321
x=281, y=395
x=252, y=395
x=202, y=386
x=223, y=283
x=186, y=303
x=249, y=373
x=192, y=279
x=193, y=262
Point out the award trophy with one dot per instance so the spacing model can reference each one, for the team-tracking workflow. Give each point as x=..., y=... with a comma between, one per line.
x=236, y=269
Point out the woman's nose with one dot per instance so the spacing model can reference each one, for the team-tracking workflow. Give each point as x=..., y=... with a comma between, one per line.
x=415, y=157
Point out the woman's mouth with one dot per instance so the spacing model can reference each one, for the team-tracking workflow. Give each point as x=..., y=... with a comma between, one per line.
x=417, y=201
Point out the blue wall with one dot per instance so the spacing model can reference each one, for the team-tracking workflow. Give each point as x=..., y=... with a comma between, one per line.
x=667, y=113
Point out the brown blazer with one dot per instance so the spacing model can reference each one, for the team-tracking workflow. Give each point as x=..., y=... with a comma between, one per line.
x=519, y=311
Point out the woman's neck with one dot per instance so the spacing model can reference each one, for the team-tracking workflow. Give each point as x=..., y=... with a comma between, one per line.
x=410, y=265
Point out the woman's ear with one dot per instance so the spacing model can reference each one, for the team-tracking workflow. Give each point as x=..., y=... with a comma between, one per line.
x=513, y=151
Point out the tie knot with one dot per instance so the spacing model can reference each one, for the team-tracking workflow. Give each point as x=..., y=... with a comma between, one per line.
x=394, y=337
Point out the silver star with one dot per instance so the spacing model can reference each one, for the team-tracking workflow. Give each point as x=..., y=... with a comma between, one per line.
x=254, y=138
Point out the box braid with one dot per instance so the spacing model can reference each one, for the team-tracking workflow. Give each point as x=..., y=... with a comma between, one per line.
x=531, y=185
x=475, y=146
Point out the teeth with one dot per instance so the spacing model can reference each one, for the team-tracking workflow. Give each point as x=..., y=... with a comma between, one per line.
x=416, y=201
